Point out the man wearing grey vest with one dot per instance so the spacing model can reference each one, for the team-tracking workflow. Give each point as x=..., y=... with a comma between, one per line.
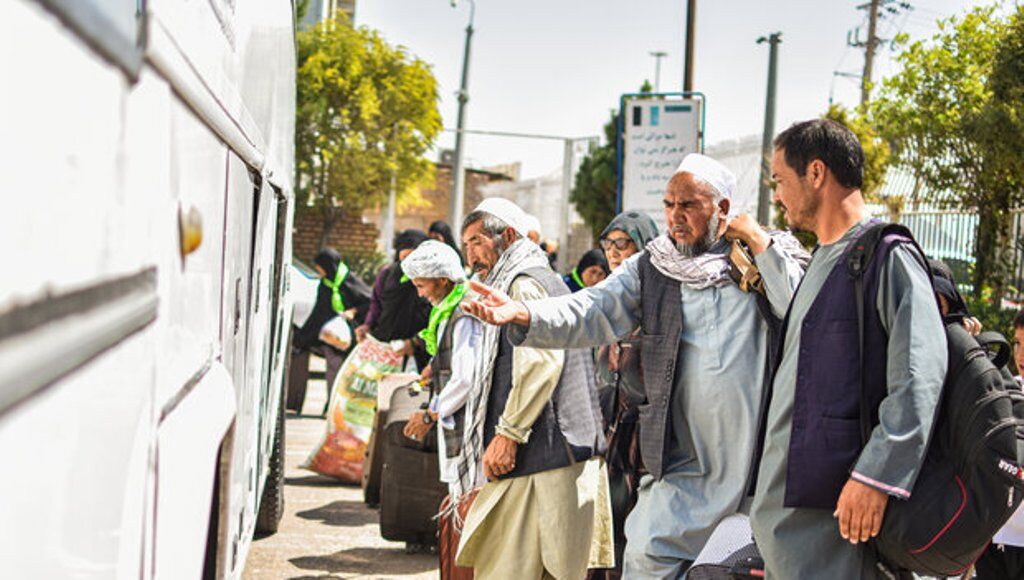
x=704, y=355
x=532, y=429
x=821, y=488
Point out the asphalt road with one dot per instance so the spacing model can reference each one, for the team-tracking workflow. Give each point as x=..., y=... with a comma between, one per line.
x=327, y=531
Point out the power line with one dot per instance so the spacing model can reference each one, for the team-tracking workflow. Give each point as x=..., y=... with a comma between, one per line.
x=876, y=10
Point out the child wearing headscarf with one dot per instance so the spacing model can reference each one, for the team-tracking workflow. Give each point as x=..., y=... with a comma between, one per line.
x=591, y=269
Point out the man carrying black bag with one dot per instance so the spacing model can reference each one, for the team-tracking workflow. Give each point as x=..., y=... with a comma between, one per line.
x=821, y=491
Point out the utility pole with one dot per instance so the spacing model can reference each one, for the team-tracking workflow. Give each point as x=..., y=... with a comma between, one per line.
x=455, y=205
x=877, y=9
x=764, y=189
x=691, y=25
x=658, y=55
x=869, y=51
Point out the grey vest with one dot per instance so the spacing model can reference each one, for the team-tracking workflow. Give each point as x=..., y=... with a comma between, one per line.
x=660, y=329
x=569, y=428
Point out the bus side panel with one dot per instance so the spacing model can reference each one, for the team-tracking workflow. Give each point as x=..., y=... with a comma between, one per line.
x=61, y=114
x=75, y=465
x=75, y=455
x=259, y=349
x=193, y=431
x=238, y=276
x=191, y=286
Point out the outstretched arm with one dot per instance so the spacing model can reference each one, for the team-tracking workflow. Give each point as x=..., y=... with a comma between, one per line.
x=591, y=317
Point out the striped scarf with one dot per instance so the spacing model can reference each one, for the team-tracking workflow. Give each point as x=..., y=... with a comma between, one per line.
x=519, y=257
x=711, y=269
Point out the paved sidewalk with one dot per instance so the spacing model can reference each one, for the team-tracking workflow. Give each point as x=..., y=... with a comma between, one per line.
x=327, y=531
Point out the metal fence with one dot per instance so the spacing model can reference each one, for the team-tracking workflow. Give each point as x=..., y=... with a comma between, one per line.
x=950, y=236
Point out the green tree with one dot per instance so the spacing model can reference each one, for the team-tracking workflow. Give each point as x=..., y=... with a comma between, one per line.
x=366, y=112
x=953, y=114
x=593, y=191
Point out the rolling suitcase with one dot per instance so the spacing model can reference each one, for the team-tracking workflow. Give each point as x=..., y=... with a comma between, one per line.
x=374, y=447
x=411, y=489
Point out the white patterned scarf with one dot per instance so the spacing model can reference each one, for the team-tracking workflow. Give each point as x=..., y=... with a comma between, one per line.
x=710, y=269
x=519, y=257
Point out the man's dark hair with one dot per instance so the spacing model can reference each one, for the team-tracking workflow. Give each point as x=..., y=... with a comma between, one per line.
x=835, y=145
x=1018, y=321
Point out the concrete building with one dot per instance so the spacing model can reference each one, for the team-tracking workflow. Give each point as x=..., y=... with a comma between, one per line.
x=435, y=200
x=320, y=10
x=743, y=157
x=545, y=198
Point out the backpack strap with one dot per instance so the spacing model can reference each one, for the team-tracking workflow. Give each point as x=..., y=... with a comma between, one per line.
x=858, y=260
x=996, y=346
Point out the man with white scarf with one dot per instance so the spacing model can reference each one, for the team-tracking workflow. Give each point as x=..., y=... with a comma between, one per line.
x=704, y=354
x=533, y=429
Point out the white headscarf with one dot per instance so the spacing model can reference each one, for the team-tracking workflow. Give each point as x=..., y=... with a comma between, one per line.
x=434, y=259
x=506, y=211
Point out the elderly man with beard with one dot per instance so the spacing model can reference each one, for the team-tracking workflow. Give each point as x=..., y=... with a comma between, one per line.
x=533, y=429
x=704, y=353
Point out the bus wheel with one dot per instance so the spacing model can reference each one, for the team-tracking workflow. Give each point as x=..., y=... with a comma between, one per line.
x=272, y=503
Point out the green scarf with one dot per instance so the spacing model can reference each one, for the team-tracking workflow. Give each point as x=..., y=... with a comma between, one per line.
x=439, y=314
x=576, y=277
x=337, y=303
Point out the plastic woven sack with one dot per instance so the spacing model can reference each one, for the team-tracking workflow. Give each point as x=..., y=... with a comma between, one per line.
x=342, y=449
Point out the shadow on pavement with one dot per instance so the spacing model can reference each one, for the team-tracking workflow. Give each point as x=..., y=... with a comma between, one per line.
x=316, y=481
x=341, y=513
x=369, y=562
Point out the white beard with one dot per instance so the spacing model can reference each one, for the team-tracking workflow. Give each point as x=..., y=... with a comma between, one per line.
x=702, y=245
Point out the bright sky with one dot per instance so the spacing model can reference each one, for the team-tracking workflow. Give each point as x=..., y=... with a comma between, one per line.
x=558, y=66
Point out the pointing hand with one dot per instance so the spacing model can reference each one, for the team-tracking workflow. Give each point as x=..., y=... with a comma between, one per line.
x=495, y=307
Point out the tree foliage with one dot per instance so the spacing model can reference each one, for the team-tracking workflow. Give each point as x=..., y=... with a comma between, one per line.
x=953, y=113
x=593, y=193
x=594, y=188
x=366, y=114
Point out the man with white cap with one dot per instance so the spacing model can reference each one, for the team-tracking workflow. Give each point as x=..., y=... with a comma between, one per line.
x=704, y=354
x=436, y=270
x=451, y=338
x=532, y=429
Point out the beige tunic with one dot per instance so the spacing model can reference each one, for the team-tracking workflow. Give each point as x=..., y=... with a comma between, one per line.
x=554, y=523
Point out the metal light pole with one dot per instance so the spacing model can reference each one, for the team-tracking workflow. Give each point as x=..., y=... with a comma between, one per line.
x=458, y=173
x=691, y=31
x=764, y=190
x=658, y=55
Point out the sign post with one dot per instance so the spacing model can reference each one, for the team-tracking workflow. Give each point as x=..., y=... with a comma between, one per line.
x=655, y=132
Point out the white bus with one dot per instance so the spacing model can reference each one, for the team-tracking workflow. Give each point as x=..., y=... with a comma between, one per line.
x=146, y=151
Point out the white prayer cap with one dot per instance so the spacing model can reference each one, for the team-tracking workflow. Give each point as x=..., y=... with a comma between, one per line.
x=532, y=223
x=434, y=259
x=506, y=211
x=710, y=171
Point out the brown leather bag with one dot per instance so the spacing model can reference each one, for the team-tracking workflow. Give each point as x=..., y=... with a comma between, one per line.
x=449, y=536
x=743, y=270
